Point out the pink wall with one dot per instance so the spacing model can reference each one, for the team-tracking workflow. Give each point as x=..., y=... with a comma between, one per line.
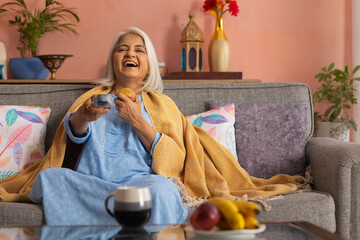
x=275, y=41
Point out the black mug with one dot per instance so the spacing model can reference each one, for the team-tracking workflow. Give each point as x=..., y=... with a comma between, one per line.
x=132, y=206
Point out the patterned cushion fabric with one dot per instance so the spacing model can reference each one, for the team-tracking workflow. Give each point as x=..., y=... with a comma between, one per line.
x=22, y=136
x=17, y=233
x=219, y=123
x=270, y=138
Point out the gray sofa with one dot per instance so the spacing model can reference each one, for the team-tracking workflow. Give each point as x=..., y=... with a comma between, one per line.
x=333, y=203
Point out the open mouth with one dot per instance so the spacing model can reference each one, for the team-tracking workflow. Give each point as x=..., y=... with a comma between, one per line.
x=130, y=64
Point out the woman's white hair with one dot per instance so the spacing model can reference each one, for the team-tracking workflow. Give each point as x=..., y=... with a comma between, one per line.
x=152, y=82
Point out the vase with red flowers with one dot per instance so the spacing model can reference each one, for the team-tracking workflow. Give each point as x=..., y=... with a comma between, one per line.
x=219, y=48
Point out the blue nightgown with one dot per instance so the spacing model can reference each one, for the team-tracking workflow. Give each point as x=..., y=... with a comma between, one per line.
x=112, y=156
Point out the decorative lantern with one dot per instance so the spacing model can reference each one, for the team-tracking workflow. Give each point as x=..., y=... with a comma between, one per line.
x=191, y=47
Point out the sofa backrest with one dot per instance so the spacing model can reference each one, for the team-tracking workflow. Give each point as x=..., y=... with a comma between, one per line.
x=191, y=98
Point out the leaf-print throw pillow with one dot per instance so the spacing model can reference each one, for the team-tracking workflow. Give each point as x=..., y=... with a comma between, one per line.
x=22, y=137
x=219, y=123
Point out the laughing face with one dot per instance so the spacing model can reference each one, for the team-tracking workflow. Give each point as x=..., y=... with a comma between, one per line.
x=130, y=60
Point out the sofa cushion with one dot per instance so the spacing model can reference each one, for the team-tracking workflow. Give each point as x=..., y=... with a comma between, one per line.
x=270, y=138
x=314, y=207
x=21, y=214
x=219, y=123
x=22, y=137
x=284, y=231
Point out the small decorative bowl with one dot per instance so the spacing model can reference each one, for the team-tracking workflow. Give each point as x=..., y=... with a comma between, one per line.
x=53, y=62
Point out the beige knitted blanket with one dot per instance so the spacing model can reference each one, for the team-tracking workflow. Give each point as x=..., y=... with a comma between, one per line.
x=203, y=167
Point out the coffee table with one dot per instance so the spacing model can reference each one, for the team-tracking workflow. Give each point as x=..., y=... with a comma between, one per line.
x=273, y=231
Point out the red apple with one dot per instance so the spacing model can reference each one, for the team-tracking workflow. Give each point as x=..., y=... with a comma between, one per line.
x=129, y=93
x=205, y=217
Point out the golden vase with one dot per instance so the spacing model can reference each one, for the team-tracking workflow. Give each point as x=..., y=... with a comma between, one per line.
x=219, y=49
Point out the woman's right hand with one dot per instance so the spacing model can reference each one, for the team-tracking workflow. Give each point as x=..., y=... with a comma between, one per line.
x=86, y=113
x=90, y=113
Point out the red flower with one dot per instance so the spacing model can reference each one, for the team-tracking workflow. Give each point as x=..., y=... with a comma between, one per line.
x=233, y=8
x=209, y=5
x=218, y=7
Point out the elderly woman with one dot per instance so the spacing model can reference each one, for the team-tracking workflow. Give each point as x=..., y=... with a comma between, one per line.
x=118, y=146
x=143, y=143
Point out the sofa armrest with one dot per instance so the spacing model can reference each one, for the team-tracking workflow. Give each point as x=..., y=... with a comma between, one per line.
x=336, y=170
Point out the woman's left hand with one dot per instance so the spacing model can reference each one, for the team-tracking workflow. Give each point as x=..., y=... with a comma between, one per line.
x=128, y=110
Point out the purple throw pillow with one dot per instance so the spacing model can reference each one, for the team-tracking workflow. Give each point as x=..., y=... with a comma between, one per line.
x=270, y=138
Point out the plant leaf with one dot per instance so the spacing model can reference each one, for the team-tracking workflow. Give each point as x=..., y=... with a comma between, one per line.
x=17, y=153
x=212, y=132
x=346, y=106
x=331, y=66
x=319, y=75
x=5, y=174
x=357, y=68
x=5, y=161
x=32, y=117
x=198, y=122
x=10, y=118
x=215, y=119
x=21, y=134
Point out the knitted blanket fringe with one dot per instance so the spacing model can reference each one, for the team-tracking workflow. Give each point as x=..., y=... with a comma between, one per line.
x=194, y=202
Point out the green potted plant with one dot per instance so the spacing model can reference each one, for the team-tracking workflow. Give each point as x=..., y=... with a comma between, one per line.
x=32, y=26
x=337, y=92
